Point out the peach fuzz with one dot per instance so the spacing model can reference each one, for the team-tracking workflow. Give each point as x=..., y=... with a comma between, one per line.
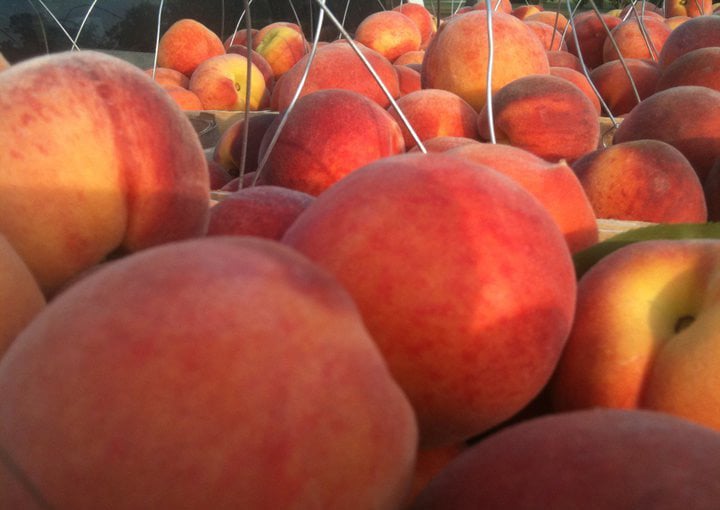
x=699, y=32
x=185, y=99
x=675, y=21
x=696, y=67
x=20, y=296
x=327, y=135
x=598, y=459
x=630, y=39
x=114, y=174
x=544, y=114
x=410, y=57
x=581, y=81
x=435, y=112
x=554, y=19
x=422, y=17
x=658, y=347
x=590, y=32
x=272, y=26
x=643, y=180
x=219, y=176
x=138, y=385
x=551, y=38
x=692, y=9
x=408, y=79
x=555, y=185
x=457, y=58
x=687, y=117
x=612, y=83
x=167, y=76
x=390, y=33
x=221, y=83
x=282, y=47
x=262, y=211
x=423, y=242
x=260, y=62
x=186, y=44
x=337, y=66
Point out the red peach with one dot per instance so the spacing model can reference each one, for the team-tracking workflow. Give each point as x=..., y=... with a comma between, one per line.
x=167, y=76
x=590, y=32
x=551, y=38
x=422, y=17
x=612, y=82
x=562, y=58
x=636, y=41
x=186, y=99
x=696, y=67
x=390, y=33
x=186, y=44
x=408, y=79
x=581, y=81
x=282, y=47
x=699, y=32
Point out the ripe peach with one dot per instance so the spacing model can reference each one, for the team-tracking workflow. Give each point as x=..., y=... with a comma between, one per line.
x=551, y=38
x=555, y=185
x=167, y=76
x=434, y=249
x=186, y=44
x=445, y=143
x=337, y=66
x=598, y=459
x=562, y=58
x=435, y=112
x=643, y=180
x=422, y=17
x=117, y=166
x=630, y=39
x=410, y=57
x=230, y=147
x=554, y=19
x=687, y=117
x=692, y=9
x=260, y=62
x=696, y=67
x=544, y=114
x=590, y=32
x=270, y=27
x=390, y=33
x=408, y=79
x=282, y=47
x=327, y=135
x=185, y=98
x=612, y=83
x=240, y=38
x=699, y=32
x=525, y=10
x=497, y=6
x=457, y=58
x=221, y=83
x=221, y=372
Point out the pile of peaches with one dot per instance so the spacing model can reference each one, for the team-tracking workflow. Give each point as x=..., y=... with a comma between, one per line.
x=366, y=295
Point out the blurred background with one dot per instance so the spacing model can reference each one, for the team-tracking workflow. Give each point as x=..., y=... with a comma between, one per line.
x=27, y=27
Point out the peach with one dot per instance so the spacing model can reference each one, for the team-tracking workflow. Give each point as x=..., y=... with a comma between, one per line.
x=434, y=250
x=222, y=372
x=675, y=21
x=282, y=47
x=410, y=57
x=697, y=67
x=699, y=32
x=429, y=463
x=612, y=83
x=271, y=27
x=634, y=41
x=691, y=9
x=185, y=98
x=590, y=32
x=643, y=180
x=408, y=79
x=186, y=44
x=337, y=66
x=260, y=62
x=422, y=17
x=390, y=33
x=563, y=58
x=327, y=135
x=221, y=83
x=687, y=117
x=219, y=176
x=658, y=347
x=262, y=211
x=21, y=298
x=445, y=143
x=240, y=38
x=167, y=76
x=551, y=38
x=597, y=459
x=544, y=114
x=435, y=112
x=497, y=6
x=554, y=19
x=555, y=185
x=581, y=81
x=230, y=148
x=525, y=10
x=457, y=58
x=115, y=164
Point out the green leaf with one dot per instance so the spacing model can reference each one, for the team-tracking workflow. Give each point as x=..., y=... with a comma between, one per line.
x=585, y=259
